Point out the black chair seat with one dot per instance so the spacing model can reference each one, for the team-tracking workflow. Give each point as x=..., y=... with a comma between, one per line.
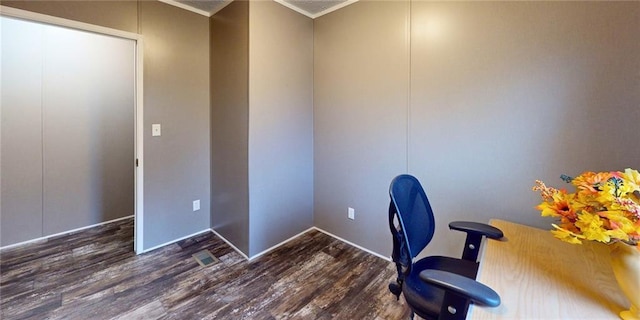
x=425, y=299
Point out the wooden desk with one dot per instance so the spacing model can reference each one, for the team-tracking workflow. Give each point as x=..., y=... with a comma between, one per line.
x=540, y=277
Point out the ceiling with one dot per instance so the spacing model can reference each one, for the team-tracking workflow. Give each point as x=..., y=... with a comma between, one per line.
x=310, y=8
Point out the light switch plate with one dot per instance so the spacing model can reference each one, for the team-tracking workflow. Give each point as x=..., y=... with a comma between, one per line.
x=196, y=205
x=156, y=131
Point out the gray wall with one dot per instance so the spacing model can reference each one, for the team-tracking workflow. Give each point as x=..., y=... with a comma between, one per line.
x=262, y=124
x=476, y=99
x=70, y=120
x=500, y=94
x=176, y=93
x=361, y=82
x=230, y=123
x=512, y=92
x=280, y=124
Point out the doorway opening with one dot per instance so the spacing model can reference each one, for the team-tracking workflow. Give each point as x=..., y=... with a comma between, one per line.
x=72, y=141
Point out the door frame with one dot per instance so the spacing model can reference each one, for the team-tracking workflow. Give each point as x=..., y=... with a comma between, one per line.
x=138, y=161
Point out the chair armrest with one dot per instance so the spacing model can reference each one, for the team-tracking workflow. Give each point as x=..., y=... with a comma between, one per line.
x=475, y=231
x=464, y=287
x=477, y=228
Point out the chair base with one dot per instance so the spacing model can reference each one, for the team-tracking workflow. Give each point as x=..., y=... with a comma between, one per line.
x=396, y=289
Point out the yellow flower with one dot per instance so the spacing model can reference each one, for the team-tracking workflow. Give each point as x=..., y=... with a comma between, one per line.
x=591, y=227
x=547, y=209
x=632, y=178
x=607, y=195
x=566, y=235
x=617, y=234
x=619, y=219
x=627, y=208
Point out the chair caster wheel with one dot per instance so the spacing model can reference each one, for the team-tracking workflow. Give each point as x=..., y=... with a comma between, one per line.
x=395, y=289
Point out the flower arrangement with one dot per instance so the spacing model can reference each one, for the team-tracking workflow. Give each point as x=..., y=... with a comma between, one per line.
x=604, y=208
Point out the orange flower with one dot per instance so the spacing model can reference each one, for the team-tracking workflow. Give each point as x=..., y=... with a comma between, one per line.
x=591, y=181
x=558, y=205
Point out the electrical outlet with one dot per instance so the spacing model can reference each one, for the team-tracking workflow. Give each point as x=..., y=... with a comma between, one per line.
x=196, y=205
x=156, y=130
x=351, y=213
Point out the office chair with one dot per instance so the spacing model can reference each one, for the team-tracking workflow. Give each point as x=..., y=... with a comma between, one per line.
x=434, y=287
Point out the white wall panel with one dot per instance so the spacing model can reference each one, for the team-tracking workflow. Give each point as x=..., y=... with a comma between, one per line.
x=361, y=83
x=230, y=124
x=280, y=124
x=21, y=125
x=176, y=95
x=500, y=94
x=88, y=94
x=505, y=93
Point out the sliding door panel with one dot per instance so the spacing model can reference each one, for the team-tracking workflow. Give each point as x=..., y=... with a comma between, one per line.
x=88, y=96
x=21, y=131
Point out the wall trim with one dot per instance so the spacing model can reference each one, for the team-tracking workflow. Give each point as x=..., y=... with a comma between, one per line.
x=196, y=10
x=334, y=8
x=230, y=244
x=186, y=7
x=138, y=180
x=294, y=8
x=64, y=233
x=282, y=2
x=353, y=244
x=174, y=241
x=295, y=236
x=316, y=15
x=47, y=19
x=255, y=256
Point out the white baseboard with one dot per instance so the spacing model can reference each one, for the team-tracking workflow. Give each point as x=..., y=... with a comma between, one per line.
x=279, y=244
x=353, y=244
x=175, y=240
x=203, y=231
x=64, y=233
x=262, y=252
x=230, y=244
x=292, y=238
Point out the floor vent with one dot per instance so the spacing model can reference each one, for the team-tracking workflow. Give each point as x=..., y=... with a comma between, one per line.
x=205, y=258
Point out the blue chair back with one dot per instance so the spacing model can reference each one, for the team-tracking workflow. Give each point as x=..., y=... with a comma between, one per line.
x=413, y=212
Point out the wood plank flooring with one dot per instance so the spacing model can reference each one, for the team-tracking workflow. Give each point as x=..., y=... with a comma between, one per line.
x=94, y=274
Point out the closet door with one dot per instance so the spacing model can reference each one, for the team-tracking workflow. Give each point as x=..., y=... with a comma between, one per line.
x=67, y=129
x=21, y=131
x=88, y=109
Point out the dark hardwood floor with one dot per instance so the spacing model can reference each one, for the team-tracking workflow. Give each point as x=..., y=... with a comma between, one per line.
x=94, y=274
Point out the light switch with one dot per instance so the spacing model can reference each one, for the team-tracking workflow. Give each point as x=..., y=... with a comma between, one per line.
x=155, y=130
